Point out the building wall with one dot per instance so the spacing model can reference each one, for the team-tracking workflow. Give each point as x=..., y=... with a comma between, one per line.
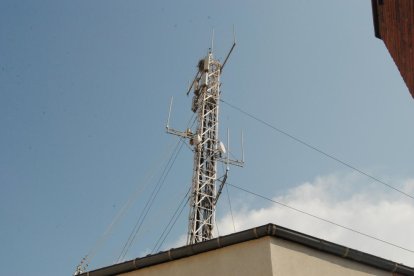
x=296, y=260
x=395, y=26
x=247, y=258
x=264, y=256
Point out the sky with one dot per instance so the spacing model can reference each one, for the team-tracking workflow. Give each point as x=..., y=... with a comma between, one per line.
x=85, y=88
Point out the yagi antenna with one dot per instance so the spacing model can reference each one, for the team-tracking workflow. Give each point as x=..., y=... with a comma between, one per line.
x=192, y=83
x=231, y=50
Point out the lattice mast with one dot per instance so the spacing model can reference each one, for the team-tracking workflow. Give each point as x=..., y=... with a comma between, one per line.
x=207, y=148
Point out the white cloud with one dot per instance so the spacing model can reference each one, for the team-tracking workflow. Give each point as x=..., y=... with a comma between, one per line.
x=349, y=200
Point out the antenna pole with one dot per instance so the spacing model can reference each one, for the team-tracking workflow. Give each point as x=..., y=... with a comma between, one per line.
x=212, y=41
x=169, y=113
x=242, y=146
x=231, y=50
x=228, y=148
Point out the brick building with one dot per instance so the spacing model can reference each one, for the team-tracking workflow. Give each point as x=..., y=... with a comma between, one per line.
x=394, y=24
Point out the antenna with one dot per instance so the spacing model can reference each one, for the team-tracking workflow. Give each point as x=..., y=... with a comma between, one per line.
x=169, y=114
x=207, y=148
x=231, y=50
x=228, y=149
x=212, y=41
x=242, y=147
x=192, y=83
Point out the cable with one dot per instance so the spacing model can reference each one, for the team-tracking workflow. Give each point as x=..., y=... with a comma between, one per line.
x=180, y=206
x=317, y=149
x=231, y=210
x=173, y=224
x=188, y=147
x=176, y=218
x=134, y=196
x=322, y=219
x=156, y=248
x=217, y=227
x=150, y=201
x=102, y=239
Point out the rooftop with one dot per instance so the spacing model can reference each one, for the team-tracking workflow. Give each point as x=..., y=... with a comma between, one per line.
x=271, y=230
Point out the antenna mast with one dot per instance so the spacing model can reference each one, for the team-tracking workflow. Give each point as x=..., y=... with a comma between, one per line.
x=206, y=147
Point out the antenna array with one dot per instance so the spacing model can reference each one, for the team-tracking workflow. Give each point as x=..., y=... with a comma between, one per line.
x=207, y=148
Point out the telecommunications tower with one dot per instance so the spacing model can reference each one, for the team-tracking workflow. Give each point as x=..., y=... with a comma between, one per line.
x=207, y=148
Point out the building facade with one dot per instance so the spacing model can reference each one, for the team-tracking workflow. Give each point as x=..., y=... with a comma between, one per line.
x=394, y=24
x=265, y=250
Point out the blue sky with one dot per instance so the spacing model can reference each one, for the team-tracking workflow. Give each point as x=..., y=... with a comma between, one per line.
x=84, y=94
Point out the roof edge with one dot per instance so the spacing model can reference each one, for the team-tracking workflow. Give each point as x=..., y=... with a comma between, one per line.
x=251, y=234
x=375, y=18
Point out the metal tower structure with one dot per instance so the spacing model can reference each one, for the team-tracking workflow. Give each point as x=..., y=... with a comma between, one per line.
x=207, y=148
